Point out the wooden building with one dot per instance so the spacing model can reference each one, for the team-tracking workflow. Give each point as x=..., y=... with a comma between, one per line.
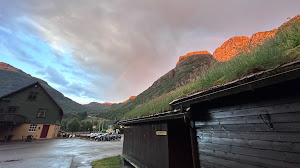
x=250, y=122
x=29, y=111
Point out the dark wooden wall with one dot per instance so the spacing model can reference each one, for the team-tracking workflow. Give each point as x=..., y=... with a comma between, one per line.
x=154, y=151
x=233, y=135
x=142, y=144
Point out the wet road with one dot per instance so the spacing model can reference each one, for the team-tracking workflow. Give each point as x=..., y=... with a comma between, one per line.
x=56, y=153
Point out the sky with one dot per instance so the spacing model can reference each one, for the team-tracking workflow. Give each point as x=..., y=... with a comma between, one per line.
x=109, y=50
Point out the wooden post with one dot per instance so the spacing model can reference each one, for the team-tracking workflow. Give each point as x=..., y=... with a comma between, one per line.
x=193, y=137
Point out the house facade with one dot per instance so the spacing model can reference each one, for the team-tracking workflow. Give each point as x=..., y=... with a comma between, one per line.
x=29, y=111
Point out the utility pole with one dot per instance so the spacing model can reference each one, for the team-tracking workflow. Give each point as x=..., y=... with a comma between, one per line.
x=98, y=124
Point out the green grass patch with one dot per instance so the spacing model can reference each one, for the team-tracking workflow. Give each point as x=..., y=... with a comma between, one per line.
x=283, y=48
x=111, y=162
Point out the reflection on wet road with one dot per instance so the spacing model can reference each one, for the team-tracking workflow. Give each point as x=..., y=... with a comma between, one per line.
x=56, y=153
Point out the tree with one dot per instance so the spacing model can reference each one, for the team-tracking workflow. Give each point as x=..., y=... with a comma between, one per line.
x=73, y=125
x=82, y=115
x=64, y=124
x=85, y=125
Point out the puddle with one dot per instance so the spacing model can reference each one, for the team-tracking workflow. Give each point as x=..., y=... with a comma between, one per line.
x=15, y=160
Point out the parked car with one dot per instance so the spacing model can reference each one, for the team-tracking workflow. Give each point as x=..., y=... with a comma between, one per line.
x=98, y=137
x=108, y=137
x=115, y=136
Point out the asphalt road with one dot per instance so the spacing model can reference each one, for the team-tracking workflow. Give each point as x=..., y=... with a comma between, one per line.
x=56, y=153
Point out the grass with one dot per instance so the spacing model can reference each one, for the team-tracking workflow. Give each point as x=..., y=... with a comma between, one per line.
x=111, y=162
x=283, y=48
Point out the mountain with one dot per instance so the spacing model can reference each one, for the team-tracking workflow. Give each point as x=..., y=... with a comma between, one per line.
x=239, y=44
x=13, y=79
x=193, y=65
x=99, y=106
x=188, y=68
x=105, y=106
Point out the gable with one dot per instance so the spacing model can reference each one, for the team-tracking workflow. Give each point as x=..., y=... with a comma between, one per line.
x=34, y=103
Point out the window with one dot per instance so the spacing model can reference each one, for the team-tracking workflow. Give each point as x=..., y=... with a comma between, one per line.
x=12, y=109
x=41, y=113
x=32, y=96
x=6, y=99
x=32, y=128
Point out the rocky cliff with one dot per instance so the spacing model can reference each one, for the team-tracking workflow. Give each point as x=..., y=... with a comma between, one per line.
x=231, y=48
x=239, y=44
x=260, y=37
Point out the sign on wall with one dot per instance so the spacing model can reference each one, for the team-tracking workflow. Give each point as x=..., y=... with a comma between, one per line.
x=161, y=133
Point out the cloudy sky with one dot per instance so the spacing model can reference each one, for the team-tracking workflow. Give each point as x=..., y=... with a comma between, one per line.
x=109, y=50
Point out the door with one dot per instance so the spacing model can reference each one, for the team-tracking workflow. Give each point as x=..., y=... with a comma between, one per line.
x=45, y=131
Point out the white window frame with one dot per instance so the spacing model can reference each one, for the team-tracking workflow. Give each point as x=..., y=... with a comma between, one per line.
x=32, y=128
x=41, y=113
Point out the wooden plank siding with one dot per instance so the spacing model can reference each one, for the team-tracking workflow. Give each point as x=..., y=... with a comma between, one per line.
x=142, y=144
x=159, y=151
x=235, y=135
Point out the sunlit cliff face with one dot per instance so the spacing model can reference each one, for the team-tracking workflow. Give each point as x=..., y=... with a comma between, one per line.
x=231, y=48
x=108, y=103
x=239, y=44
x=192, y=53
x=235, y=46
x=259, y=38
x=130, y=98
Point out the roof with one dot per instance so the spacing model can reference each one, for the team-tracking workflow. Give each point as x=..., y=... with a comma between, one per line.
x=172, y=114
x=261, y=79
x=254, y=81
x=35, y=83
